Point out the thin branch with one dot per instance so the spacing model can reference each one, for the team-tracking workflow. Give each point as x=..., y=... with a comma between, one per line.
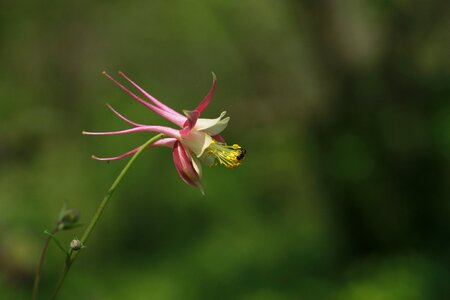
x=72, y=255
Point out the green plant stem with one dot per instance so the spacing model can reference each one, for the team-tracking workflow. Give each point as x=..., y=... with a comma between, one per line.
x=52, y=236
x=98, y=213
x=37, y=277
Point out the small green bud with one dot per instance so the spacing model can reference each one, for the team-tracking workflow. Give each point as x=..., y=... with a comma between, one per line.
x=68, y=218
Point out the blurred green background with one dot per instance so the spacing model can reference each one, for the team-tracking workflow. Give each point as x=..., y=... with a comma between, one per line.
x=343, y=107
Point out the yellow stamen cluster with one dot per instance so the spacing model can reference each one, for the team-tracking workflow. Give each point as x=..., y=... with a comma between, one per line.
x=229, y=156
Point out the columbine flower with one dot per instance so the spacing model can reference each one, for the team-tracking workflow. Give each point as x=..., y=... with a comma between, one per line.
x=197, y=139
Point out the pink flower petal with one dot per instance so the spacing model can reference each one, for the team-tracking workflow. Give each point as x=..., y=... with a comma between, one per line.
x=150, y=97
x=192, y=117
x=123, y=118
x=219, y=138
x=208, y=97
x=166, y=142
x=176, y=119
x=159, y=129
x=184, y=166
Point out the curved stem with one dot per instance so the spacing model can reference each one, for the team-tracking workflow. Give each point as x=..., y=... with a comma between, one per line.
x=98, y=213
x=37, y=277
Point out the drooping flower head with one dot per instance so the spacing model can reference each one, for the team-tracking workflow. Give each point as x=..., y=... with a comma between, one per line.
x=196, y=140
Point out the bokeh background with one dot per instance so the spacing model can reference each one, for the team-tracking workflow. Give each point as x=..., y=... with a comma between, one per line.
x=343, y=107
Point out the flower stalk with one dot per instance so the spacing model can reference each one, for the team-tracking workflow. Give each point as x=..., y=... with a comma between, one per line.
x=72, y=255
x=67, y=219
x=37, y=277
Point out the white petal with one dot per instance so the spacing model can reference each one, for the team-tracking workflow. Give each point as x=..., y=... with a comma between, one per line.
x=212, y=126
x=196, y=142
x=197, y=166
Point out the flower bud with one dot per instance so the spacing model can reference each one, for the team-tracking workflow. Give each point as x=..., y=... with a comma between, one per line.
x=68, y=218
x=76, y=245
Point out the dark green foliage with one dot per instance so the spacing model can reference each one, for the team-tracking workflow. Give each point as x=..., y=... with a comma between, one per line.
x=343, y=108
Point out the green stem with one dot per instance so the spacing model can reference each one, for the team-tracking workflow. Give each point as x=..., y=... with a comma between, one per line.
x=56, y=242
x=98, y=213
x=37, y=277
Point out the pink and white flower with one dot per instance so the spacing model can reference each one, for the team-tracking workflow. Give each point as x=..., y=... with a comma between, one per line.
x=196, y=140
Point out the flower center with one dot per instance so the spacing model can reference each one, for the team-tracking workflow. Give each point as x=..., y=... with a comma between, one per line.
x=221, y=153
